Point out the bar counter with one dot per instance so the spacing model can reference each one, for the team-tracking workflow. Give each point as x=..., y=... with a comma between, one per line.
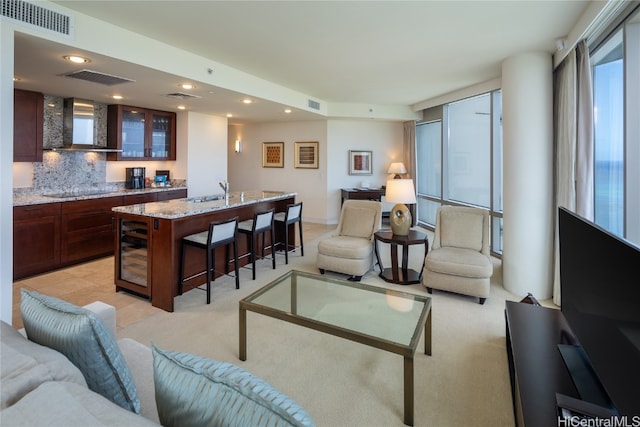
x=149, y=236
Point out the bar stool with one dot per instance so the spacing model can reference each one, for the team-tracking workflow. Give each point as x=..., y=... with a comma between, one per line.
x=220, y=233
x=292, y=215
x=260, y=224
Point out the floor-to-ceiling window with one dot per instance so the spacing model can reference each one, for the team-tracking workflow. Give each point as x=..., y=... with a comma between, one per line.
x=608, y=100
x=429, y=170
x=459, y=160
x=615, y=61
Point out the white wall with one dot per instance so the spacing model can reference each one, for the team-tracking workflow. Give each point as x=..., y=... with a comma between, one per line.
x=319, y=189
x=246, y=171
x=206, y=152
x=384, y=139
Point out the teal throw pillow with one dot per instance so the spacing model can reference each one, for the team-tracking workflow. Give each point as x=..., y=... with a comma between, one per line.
x=85, y=340
x=196, y=391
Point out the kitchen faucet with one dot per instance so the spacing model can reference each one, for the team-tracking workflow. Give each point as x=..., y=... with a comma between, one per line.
x=225, y=186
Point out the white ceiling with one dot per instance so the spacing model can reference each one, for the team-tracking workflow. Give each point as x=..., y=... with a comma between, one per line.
x=370, y=52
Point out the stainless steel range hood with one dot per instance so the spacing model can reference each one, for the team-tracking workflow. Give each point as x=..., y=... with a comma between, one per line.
x=78, y=132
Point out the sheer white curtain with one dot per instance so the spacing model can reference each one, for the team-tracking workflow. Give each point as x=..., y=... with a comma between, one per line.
x=409, y=148
x=584, y=143
x=573, y=118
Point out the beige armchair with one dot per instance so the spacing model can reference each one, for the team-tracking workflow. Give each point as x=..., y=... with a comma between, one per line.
x=349, y=250
x=459, y=259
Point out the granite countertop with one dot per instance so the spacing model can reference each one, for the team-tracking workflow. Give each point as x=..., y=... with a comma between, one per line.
x=35, y=198
x=179, y=208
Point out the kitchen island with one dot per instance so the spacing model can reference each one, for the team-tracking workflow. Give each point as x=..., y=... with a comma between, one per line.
x=149, y=239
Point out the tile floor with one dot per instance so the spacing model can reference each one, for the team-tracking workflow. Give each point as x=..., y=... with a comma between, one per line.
x=91, y=281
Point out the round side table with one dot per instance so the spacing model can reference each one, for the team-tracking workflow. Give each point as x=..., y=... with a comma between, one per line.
x=403, y=275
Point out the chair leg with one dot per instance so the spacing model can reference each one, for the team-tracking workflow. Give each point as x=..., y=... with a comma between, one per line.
x=235, y=263
x=482, y=300
x=226, y=258
x=273, y=248
x=321, y=270
x=430, y=290
x=301, y=241
x=210, y=261
x=355, y=278
x=253, y=254
x=286, y=243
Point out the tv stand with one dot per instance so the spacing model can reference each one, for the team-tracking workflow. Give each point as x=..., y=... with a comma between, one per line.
x=584, y=378
x=535, y=364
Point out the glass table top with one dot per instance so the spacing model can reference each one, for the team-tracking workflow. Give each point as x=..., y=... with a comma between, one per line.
x=391, y=318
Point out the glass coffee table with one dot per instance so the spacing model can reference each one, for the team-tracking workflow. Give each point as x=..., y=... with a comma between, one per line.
x=374, y=316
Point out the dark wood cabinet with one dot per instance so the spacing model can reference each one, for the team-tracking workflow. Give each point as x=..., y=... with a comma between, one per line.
x=135, y=199
x=535, y=364
x=140, y=133
x=36, y=239
x=87, y=229
x=28, y=111
x=172, y=194
x=54, y=235
x=363, y=194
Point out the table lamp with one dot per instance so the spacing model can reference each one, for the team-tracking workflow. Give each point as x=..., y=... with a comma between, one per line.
x=400, y=191
x=397, y=168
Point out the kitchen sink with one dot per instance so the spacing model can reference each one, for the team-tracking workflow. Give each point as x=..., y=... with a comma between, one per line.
x=210, y=198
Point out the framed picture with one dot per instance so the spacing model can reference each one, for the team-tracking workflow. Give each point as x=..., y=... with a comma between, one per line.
x=273, y=154
x=306, y=155
x=360, y=162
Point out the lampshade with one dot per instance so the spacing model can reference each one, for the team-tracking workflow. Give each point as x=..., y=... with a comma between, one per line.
x=400, y=191
x=397, y=168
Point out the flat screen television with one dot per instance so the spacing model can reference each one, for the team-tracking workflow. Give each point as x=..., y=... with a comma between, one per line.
x=600, y=291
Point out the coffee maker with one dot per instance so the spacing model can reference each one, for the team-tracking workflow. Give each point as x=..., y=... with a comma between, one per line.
x=134, y=178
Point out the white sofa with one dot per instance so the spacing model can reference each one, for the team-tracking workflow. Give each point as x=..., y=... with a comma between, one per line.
x=40, y=386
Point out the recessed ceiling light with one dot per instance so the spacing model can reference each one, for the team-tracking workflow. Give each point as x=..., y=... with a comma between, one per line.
x=117, y=97
x=181, y=107
x=287, y=110
x=16, y=79
x=247, y=101
x=186, y=86
x=229, y=115
x=76, y=59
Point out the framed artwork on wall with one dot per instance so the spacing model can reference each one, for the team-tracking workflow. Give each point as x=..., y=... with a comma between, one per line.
x=306, y=155
x=273, y=154
x=360, y=162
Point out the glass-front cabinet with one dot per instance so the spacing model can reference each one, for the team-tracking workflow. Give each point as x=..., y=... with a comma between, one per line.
x=141, y=134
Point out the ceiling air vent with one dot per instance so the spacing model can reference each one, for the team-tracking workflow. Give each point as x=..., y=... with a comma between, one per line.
x=97, y=77
x=182, y=95
x=314, y=104
x=37, y=16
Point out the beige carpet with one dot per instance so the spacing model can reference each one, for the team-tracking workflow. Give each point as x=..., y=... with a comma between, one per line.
x=341, y=383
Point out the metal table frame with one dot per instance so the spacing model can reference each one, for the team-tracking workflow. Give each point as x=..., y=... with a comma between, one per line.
x=407, y=351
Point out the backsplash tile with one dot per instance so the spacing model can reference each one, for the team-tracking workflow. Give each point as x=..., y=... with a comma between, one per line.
x=52, y=129
x=69, y=170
